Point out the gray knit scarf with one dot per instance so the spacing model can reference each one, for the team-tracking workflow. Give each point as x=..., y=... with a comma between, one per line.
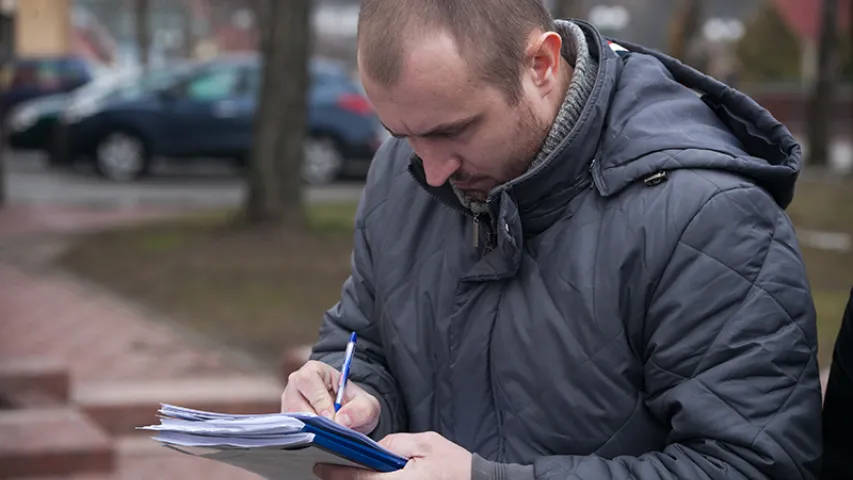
x=580, y=88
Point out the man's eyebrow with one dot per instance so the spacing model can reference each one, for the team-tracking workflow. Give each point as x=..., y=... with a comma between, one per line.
x=442, y=128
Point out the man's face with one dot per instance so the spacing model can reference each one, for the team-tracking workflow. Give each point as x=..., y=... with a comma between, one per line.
x=463, y=128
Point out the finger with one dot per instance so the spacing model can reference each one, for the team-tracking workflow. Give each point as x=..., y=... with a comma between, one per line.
x=359, y=413
x=293, y=401
x=315, y=385
x=410, y=445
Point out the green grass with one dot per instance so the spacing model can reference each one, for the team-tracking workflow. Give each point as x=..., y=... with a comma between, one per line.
x=262, y=291
x=253, y=289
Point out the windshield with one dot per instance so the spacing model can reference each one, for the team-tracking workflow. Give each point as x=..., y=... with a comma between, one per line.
x=129, y=84
x=106, y=81
x=153, y=80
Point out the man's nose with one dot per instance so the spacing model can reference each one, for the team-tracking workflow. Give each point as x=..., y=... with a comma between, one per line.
x=438, y=167
x=439, y=171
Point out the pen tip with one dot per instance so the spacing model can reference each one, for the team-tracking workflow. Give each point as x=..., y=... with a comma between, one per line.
x=352, y=337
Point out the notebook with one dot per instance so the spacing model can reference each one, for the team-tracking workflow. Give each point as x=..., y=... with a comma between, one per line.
x=274, y=445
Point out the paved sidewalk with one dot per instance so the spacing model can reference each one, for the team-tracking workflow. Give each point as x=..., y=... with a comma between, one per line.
x=114, y=350
x=22, y=219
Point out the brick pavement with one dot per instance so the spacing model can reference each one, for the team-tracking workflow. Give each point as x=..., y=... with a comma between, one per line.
x=100, y=337
x=114, y=352
x=21, y=219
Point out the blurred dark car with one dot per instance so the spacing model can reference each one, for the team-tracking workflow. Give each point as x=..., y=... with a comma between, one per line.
x=32, y=124
x=27, y=78
x=209, y=112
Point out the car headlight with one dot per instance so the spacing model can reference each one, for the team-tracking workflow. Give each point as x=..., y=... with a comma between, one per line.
x=80, y=108
x=23, y=118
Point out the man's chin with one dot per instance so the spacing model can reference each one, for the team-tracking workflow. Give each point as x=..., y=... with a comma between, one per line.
x=475, y=195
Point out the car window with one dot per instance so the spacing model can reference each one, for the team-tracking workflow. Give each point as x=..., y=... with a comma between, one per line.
x=75, y=72
x=135, y=84
x=320, y=75
x=253, y=81
x=213, y=85
x=44, y=73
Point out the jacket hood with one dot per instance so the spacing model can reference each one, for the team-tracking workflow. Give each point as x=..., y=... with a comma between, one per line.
x=656, y=125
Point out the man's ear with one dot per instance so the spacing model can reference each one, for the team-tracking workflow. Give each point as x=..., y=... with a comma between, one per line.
x=544, y=53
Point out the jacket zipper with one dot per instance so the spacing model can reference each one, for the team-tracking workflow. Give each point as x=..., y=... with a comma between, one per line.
x=458, y=208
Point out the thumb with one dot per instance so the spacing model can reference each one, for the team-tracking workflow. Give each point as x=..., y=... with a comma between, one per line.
x=360, y=414
x=409, y=445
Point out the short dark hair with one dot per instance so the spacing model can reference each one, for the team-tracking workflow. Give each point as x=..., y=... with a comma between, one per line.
x=492, y=33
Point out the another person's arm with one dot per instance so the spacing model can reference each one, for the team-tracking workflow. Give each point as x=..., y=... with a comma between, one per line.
x=838, y=405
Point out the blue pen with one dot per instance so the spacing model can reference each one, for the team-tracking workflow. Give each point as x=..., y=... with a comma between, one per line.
x=345, y=371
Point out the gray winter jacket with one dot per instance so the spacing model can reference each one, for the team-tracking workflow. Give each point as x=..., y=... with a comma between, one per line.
x=636, y=307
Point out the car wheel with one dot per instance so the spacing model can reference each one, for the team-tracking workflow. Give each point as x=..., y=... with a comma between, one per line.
x=323, y=161
x=121, y=157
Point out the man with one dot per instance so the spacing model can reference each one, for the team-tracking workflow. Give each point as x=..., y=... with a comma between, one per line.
x=838, y=405
x=568, y=264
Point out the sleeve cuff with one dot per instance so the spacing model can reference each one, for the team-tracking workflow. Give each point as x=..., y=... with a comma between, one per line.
x=482, y=469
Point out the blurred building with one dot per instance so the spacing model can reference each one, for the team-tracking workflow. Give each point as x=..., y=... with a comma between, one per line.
x=41, y=27
x=803, y=19
x=105, y=31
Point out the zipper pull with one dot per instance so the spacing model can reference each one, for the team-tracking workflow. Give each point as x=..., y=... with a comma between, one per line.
x=476, y=232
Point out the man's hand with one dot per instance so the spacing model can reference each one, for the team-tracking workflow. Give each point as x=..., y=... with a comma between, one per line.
x=432, y=457
x=312, y=389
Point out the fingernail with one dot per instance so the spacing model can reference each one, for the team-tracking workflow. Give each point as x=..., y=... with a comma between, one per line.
x=326, y=413
x=344, y=420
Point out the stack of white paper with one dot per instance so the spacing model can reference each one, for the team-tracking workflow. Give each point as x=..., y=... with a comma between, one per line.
x=275, y=446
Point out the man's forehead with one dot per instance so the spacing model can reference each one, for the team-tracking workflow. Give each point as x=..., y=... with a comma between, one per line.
x=436, y=90
x=430, y=60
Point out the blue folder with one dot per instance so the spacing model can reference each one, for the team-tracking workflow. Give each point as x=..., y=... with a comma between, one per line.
x=274, y=446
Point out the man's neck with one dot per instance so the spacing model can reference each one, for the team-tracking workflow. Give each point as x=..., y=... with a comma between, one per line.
x=565, y=81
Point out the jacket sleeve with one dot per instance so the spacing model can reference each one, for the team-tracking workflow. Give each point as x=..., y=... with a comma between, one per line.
x=356, y=312
x=838, y=405
x=729, y=345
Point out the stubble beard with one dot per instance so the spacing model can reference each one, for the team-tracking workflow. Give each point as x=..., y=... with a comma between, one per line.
x=529, y=137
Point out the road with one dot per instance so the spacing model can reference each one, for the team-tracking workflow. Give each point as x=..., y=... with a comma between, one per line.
x=203, y=184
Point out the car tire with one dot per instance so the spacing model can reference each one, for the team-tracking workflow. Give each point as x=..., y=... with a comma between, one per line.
x=121, y=156
x=323, y=161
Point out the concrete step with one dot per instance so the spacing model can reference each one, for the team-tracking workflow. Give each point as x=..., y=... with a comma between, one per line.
x=120, y=407
x=139, y=457
x=29, y=382
x=49, y=442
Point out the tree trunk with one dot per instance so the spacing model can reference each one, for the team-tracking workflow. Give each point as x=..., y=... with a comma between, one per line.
x=143, y=31
x=3, y=151
x=820, y=103
x=275, y=181
x=565, y=9
x=188, y=26
x=684, y=29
